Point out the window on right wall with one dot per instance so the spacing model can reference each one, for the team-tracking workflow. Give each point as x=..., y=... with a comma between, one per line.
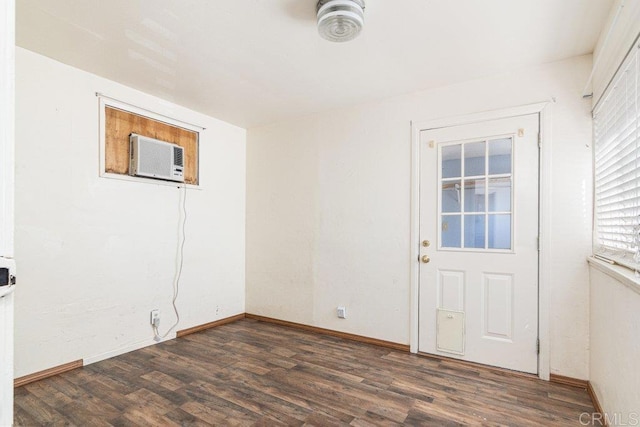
x=616, y=122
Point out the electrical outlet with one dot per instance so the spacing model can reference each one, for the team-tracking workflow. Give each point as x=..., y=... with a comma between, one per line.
x=342, y=312
x=155, y=318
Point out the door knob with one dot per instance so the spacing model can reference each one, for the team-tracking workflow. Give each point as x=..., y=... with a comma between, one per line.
x=425, y=258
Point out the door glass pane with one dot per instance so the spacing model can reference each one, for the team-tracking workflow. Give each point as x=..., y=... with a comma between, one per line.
x=474, y=231
x=450, y=234
x=451, y=155
x=474, y=191
x=499, y=194
x=474, y=159
x=499, y=231
x=451, y=196
x=500, y=156
x=476, y=205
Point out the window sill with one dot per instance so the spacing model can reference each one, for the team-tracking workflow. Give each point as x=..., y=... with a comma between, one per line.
x=149, y=181
x=624, y=275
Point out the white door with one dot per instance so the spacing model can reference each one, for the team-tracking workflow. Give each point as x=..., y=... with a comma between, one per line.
x=7, y=49
x=478, y=295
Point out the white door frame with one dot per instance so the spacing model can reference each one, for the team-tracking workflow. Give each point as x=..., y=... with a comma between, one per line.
x=7, y=134
x=543, y=109
x=7, y=109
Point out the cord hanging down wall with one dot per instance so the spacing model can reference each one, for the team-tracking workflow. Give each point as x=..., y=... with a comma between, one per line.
x=176, y=281
x=119, y=124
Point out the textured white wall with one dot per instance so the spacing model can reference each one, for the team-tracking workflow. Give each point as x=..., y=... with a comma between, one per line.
x=328, y=208
x=615, y=347
x=97, y=254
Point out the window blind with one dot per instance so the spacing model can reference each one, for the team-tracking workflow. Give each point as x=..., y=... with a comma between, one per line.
x=617, y=166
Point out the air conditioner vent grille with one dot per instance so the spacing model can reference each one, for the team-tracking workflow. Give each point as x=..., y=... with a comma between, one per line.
x=177, y=156
x=154, y=158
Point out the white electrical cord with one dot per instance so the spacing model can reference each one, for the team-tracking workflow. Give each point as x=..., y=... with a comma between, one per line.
x=179, y=264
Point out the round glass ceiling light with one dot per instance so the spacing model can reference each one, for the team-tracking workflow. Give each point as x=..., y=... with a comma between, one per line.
x=340, y=20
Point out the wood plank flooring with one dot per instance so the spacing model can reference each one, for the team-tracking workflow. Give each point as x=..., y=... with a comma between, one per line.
x=255, y=373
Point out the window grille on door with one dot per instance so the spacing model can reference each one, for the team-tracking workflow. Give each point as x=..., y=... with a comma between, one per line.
x=476, y=194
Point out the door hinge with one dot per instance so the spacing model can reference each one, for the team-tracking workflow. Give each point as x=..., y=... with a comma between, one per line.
x=538, y=243
x=537, y=345
x=539, y=140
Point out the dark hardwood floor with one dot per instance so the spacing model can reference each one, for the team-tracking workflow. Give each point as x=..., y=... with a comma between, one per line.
x=255, y=373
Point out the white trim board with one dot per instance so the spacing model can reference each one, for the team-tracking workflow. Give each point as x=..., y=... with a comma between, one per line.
x=7, y=127
x=7, y=202
x=544, y=111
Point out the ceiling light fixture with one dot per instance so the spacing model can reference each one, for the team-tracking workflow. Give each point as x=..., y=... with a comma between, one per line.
x=340, y=20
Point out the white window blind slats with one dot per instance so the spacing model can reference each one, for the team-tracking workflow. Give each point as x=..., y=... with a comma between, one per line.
x=627, y=146
x=610, y=164
x=618, y=232
x=626, y=208
x=626, y=169
x=617, y=166
x=626, y=175
x=620, y=144
x=617, y=241
x=620, y=201
x=627, y=214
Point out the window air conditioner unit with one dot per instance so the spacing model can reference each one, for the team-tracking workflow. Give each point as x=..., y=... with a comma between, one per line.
x=152, y=158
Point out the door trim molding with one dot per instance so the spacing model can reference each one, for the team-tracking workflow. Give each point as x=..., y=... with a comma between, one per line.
x=7, y=128
x=543, y=109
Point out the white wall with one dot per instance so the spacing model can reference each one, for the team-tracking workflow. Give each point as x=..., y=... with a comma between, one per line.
x=328, y=208
x=615, y=346
x=97, y=254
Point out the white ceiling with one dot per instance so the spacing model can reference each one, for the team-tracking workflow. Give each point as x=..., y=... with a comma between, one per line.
x=251, y=62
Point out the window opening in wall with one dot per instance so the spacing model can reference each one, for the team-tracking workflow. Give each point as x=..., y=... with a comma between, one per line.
x=616, y=122
x=120, y=125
